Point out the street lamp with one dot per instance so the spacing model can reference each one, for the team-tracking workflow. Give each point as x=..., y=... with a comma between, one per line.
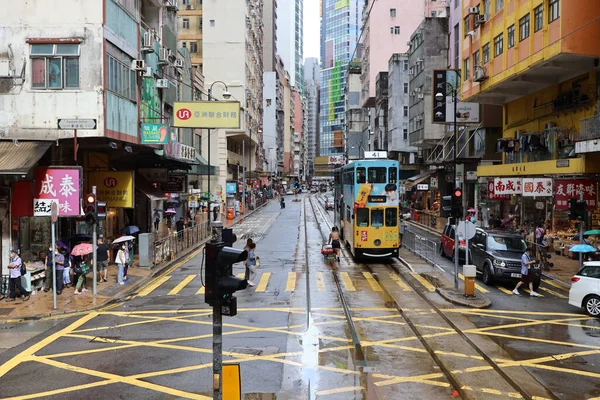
x=226, y=95
x=439, y=97
x=362, y=147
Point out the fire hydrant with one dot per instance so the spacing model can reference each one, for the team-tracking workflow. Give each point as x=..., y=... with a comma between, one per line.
x=469, y=272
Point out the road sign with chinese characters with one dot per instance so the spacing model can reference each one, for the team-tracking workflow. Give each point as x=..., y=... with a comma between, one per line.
x=84, y=124
x=567, y=189
x=61, y=185
x=207, y=114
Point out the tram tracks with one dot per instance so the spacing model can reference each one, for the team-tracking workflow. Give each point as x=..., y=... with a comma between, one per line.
x=451, y=374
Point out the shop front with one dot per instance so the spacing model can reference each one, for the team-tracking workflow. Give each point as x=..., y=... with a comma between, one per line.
x=117, y=190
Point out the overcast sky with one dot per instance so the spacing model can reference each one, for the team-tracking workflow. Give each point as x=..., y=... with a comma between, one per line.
x=311, y=28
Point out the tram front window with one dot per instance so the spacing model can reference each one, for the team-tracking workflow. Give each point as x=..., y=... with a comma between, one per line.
x=362, y=217
x=391, y=217
x=377, y=175
x=361, y=175
x=377, y=218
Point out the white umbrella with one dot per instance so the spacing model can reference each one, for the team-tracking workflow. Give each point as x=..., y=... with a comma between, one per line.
x=170, y=211
x=123, y=239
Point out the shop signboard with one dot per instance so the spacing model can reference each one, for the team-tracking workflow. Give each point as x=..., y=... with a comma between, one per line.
x=61, y=185
x=115, y=188
x=193, y=201
x=207, y=114
x=174, y=184
x=43, y=207
x=492, y=193
x=231, y=188
x=537, y=187
x=155, y=133
x=180, y=152
x=572, y=188
x=507, y=186
x=337, y=160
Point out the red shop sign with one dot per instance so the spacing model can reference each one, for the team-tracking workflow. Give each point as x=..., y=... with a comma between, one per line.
x=568, y=189
x=492, y=193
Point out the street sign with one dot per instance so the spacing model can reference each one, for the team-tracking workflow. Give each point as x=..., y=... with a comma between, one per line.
x=466, y=230
x=54, y=212
x=423, y=186
x=85, y=124
x=376, y=154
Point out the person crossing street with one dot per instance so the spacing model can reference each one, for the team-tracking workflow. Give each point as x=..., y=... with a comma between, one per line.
x=526, y=263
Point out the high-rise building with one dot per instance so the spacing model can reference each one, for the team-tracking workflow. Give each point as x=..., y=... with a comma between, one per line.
x=311, y=92
x=340, y=30
x=189, y=32
x=289, y=38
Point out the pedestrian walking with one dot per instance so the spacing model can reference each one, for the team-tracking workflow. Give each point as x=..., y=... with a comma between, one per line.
x=49, y=272
x=126, y=259
x=60, y=269
x=251, y=264
x=130, y=255
x=14, y=280
x=215, y=212
x=539, y=236
x=102, y=258
x=121, y=260
x=82, y=270
x=334, y=239
x=525, y=275
x=282, y=202
x=67, y=268
x=402, y=230
x=179, y=225
x=156, y=220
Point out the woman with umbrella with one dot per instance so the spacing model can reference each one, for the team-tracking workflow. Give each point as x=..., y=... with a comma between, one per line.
x=83, y=250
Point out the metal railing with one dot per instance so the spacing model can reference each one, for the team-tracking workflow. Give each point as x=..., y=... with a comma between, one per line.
x=422, y=246
x=429, y=219
x=168, y=247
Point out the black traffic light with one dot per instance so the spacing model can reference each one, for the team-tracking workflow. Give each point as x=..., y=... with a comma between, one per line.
x=91, y=209
x=229, y=238
x=457, y=198
x=446, y=206
x=572, y=209
x=220, y=281
x=101, y=210
x=581, y=210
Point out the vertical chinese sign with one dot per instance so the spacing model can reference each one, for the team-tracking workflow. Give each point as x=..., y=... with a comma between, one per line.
x=568, y=189
x=60, y=184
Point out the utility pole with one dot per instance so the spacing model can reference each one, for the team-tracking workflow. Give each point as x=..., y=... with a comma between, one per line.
x=456, y=239
x=95, y=245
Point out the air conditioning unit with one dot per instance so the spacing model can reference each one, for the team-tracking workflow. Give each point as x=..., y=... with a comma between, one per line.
x=189, y=7
x=5, y=71
x=138, y=65
x=148, y=72
x=473, y=10
x=163, y=56
x=418, y=90
x=147, y=45
x=171, y=5
x=412, y=93
x=420, y=60
x=411, y=72
x=420, y=96
x=480, y=19
x=479, y=74
x=178, y=64
x=162, y=83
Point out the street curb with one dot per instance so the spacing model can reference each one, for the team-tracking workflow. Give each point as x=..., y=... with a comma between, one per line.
x=555, y=279
x=133, y=289
x=448, y=295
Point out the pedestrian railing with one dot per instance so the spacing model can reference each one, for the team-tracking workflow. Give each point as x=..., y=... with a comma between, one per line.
x=168, y=247
x=422, y=246
x=430, y=220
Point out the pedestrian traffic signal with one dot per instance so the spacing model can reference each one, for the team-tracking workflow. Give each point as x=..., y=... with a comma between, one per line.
x=101, y=207
x=446, y=207
x=220, y=281
x=573, y=209
x=456, y=204
x=581, y=210
x=91, y=209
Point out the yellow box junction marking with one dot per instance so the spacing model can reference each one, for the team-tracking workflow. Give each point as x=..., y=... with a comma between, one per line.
x=559, y=295
x=264, y=280
x=201, y=290
x=478, y=287
x=291, y=282
x=400, y=282
x=320, y=282
x=241, y=275
x=372, y=282
x=347, y=282
x=150, y=288
x=423, y=281
x=181, y=285
x=503, y=289
x=556, y=285
x=527, y=291
x=231, y=382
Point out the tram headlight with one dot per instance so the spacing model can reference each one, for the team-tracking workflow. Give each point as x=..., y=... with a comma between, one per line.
x=377, y=242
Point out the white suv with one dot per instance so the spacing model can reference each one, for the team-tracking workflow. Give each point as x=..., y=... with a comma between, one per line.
x=585, y=289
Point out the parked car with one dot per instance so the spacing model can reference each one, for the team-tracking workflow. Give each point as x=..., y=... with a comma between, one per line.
x=497, y=256
x=585, y=288
x=329, y=205
x=447, y=244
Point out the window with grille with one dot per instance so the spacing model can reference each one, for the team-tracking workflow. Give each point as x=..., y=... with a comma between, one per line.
x=55, y=66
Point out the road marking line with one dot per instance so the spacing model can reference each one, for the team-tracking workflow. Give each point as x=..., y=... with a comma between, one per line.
x=423, y=281
x=241, y=275
x=181, y=285
x=400, y=282
x=347, y=282
x=264, y=280
x=480, y=288
x=201, y=290
x=291, y=282
x=149, y=289
x=527, y=291
x=562, y=296
x=372, y=282
x=320, y=282
x=505, y=290
x=556, y=285
x=340, y=390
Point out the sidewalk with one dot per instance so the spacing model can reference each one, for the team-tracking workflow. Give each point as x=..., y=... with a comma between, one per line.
x=41, y=303
x=563, y=270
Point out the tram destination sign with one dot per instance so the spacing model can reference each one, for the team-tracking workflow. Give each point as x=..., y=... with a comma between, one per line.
x=377, y=199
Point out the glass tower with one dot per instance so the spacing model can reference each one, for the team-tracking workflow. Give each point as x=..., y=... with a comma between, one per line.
x=341, y=22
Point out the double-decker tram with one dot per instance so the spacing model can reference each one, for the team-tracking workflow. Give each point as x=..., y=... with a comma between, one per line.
x=366, y=211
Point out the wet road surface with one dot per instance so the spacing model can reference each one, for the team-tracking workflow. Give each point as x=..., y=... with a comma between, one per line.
x=309, y=330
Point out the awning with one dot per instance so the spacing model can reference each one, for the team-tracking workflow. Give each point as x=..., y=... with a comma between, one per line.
x=415, y=180
x=18, y=158
x=202, y=167
x=147, y=188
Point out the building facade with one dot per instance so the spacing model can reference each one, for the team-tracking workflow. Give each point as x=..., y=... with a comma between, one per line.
x=311, y=93
x=189, y=32
x=290, y=42
x=341, y=24
x=398, y=109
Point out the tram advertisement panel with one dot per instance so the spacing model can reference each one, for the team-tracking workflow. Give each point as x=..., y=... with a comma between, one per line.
x=376, y=194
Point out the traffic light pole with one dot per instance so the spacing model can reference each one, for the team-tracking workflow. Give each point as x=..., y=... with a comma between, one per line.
x=95, y=245
x=581, y=228
x=456, y=240
x=217, y=337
